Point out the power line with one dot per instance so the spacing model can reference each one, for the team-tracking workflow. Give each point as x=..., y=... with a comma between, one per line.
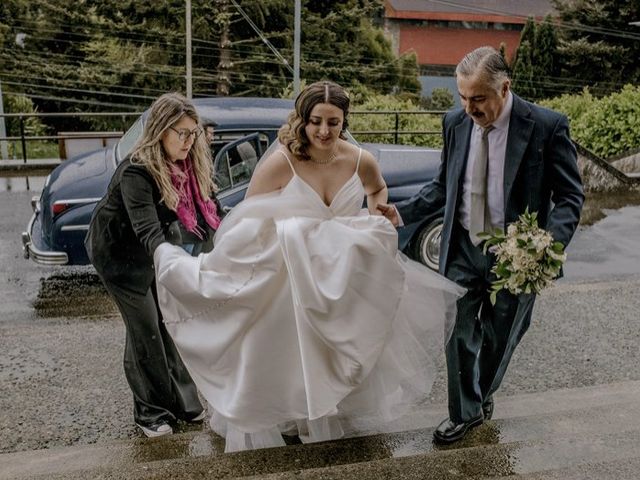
x=83, y=102
x=79, y=90
x=262, y=36
x=569, y=26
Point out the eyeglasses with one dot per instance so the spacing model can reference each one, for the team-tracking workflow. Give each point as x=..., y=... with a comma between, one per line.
x=185, y=133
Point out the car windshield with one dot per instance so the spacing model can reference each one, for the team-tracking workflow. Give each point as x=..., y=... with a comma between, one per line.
x=128, y=140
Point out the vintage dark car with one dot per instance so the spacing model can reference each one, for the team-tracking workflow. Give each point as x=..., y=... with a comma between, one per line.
x=247, y=128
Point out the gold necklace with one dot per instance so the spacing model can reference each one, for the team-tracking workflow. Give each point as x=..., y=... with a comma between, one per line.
x=330, y=159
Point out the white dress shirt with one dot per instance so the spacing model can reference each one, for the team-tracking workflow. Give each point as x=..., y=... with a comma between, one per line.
x=495, y=174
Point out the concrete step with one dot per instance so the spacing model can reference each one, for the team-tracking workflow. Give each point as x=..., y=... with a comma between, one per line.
x=535, y=403
x=530, y=433
x=566, y=458
x=626, y=469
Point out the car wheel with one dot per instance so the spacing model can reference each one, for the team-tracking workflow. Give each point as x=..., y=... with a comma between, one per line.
x=426, y=247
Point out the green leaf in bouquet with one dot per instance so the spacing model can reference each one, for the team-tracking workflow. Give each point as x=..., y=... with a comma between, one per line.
x=495, y=288
x=491, y=242
x=529, y=218
x=557, y=247
x=492, y=296
x=502, y=269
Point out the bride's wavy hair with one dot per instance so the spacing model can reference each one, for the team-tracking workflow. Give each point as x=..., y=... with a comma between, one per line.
x=292, y=133
x=165, y=112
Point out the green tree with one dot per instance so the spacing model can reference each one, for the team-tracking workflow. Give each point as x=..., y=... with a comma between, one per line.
x=522, y=72
x=535, y=63
x=408, y=82
x=120, y=55
x=598, y=47
x=341, y=43
x=528, y=33
x=544, y=58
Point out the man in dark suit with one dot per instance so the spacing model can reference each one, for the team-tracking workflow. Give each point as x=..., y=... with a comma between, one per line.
x=501, y=155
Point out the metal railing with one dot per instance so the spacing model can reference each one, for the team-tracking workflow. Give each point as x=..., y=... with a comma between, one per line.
x=23, y=138
x=395, y=131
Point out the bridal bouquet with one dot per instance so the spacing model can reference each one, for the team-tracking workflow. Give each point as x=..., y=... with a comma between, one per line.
x=528, y=260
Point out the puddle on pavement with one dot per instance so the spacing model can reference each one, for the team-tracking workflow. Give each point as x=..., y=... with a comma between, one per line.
x=596, y=204
x=73, y=294
x=202, y=444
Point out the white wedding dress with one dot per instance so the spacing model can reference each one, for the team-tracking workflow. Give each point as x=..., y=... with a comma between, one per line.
x=304, y=313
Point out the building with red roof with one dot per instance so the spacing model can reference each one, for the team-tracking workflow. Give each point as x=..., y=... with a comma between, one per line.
x=441, y=32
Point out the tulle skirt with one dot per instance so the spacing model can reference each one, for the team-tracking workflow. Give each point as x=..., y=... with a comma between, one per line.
x=293, y=323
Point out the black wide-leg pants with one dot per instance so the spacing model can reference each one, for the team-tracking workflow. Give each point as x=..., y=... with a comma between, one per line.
x=485, y=336
x=161, y=385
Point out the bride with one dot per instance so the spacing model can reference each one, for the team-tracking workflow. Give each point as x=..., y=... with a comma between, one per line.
x=305, y=312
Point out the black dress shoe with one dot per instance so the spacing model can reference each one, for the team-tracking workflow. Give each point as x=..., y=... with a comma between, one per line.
x=487, y=408
x=449, y=432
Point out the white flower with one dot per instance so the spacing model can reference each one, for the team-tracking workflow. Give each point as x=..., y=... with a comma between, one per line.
x=527, y=259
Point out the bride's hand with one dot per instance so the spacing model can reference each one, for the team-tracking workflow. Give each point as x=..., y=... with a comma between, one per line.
x=389, y=212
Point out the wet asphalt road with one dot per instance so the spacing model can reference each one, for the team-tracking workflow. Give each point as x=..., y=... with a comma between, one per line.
x=61, y=340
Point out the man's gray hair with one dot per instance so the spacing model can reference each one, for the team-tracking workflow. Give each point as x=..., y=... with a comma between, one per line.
x=487, y=61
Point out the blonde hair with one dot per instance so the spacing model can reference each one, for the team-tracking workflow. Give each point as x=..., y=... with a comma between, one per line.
x=166, y=111
x=292, y=133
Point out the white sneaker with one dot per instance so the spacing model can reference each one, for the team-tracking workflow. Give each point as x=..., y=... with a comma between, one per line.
x=157, y=429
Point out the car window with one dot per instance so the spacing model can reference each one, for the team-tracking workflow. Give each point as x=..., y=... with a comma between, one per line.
x=128, y=140
x=220, y=139
x=234, y=165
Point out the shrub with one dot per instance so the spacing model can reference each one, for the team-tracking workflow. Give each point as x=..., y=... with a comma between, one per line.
x=21, y=104
x=606, y=126
x=407, y=122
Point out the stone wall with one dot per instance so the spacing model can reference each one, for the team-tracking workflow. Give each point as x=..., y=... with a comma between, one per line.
x=600, y=176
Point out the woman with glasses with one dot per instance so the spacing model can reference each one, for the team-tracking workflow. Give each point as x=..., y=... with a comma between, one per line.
x=163, y=191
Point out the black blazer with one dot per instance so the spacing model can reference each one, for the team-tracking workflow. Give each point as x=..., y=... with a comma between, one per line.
x=126, y=227
x=540, y=173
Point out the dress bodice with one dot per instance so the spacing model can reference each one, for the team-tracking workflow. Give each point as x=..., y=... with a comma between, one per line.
x=346, y=202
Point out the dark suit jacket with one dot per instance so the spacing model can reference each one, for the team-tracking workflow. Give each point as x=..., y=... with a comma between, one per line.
x=540, y=173
x=127, y=226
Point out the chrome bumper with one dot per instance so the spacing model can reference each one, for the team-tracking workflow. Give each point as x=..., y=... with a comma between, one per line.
x=39, y=256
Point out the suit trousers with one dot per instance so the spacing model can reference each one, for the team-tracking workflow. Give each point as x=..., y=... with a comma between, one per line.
x=161, y=385
x=485, y=335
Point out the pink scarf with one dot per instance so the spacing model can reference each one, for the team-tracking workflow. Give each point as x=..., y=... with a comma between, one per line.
x=184, y=180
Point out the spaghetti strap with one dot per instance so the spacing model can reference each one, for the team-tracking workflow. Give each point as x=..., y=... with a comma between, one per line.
x=359, y=156
x=288, y=160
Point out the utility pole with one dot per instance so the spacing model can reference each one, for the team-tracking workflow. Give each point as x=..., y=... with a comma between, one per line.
x=4, y=152
x=188, y=26
x=223, y=80
x=296, y=49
